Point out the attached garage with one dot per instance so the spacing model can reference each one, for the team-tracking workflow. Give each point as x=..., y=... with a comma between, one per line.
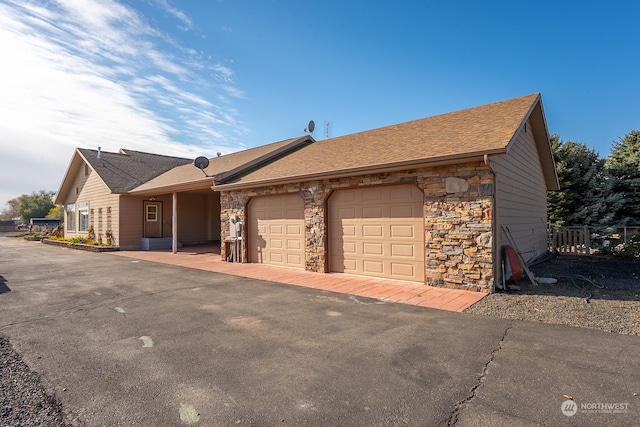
x=377, y=231
x=275, y=230
x=421, y=201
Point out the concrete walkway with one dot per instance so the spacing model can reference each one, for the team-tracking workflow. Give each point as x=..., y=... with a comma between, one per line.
x=207, y=257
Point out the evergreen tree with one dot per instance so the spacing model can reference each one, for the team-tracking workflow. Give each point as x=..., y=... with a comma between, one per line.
x=623, y=167
x=582, y=198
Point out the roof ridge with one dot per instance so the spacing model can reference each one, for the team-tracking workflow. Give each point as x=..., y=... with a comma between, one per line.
x=127, y=152
x=261, y=146
x=454, y=112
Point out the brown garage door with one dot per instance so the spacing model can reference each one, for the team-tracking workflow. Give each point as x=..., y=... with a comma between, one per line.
x=377, y=231
x=275, y=230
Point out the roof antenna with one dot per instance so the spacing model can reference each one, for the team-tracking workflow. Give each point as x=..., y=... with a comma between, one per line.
x=310, y=127
x=99, y=153
x=202, y=163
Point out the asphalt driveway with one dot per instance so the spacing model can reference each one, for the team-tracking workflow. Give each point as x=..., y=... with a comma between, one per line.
x=128, y=342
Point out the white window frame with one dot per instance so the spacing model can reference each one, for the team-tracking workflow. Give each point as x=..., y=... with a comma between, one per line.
x=151, y=216
x=71, y=217
x=83, y=216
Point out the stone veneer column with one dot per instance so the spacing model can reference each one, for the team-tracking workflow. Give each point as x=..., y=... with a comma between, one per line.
x=458, y=202
x=315, y=198
x=231, y=203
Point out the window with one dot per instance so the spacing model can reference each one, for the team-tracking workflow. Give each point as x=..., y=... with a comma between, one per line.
x=71, y=217
x=152, y=212
x=83, y=216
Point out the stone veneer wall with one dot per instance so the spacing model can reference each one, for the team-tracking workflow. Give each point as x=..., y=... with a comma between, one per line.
x=458, y=207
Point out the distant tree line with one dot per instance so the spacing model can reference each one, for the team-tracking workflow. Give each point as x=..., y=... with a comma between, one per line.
x=35, y=205
x=595, y=190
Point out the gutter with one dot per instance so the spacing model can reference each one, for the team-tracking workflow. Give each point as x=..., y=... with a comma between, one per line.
x=191, y=185
x=362, y=170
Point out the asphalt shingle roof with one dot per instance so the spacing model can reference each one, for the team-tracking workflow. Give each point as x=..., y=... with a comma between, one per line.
x=474, y=131
x=128, y=169
x=188, y=174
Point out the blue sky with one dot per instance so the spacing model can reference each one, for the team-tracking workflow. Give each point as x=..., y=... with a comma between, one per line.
x=193, y=78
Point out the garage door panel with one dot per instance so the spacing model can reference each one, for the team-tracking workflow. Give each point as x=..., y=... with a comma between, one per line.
x=294, y=214
x=403, y=270
x=372, y=231
x=373, y=267
x=349, y=264
x=398, y=250
x=349, y=248
x=402, y=211
x=293, y=244
x=377, y=232
x=294, y=230
x=293, y=259
x=402, y=231
x=275, y=215
x=372, y=212
x=371, y=195
x=375, y=249
x=401, y=193
x=347, y=213
x=275, y=230
x=348, y=230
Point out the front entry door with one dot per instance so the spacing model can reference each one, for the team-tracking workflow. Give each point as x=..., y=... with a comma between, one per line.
x=152, y=219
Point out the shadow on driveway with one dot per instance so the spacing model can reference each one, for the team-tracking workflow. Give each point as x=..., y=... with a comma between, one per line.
x=3, y=286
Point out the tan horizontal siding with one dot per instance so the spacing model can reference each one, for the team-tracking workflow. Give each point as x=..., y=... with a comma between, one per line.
x=196, y=219
x=90, y=188
x=130, y=216
x=521, y=196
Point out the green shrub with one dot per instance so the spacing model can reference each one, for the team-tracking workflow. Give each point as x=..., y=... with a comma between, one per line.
x=631, y=249
x=78, y=239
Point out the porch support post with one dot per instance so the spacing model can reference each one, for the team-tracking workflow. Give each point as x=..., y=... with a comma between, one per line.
x=174, y=224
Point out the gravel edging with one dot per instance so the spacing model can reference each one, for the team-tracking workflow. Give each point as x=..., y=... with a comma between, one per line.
x=609, y=300
x=23, y=400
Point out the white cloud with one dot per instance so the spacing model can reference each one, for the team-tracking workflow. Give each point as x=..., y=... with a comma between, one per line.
x=177, y=13
x=89, y=73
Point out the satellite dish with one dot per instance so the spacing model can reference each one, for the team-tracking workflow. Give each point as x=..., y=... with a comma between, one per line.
x=201, y=162
x=310, y=127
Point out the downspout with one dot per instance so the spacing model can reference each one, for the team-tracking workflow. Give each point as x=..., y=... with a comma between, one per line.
x=495, y=254
x=174, y=224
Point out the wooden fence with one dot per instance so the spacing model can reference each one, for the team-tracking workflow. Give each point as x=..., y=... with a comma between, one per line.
x=584, y=240
x=570, y=240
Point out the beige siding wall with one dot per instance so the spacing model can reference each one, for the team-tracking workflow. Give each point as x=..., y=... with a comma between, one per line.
x=103, y=206
x=198, y=218
x=521, y=196
x=131, y=222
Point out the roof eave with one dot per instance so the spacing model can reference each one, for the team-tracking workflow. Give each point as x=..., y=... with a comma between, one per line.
x=63, y=189
x=199, y=184
x=264, y=158
x=74, y=166
x=363, y=170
